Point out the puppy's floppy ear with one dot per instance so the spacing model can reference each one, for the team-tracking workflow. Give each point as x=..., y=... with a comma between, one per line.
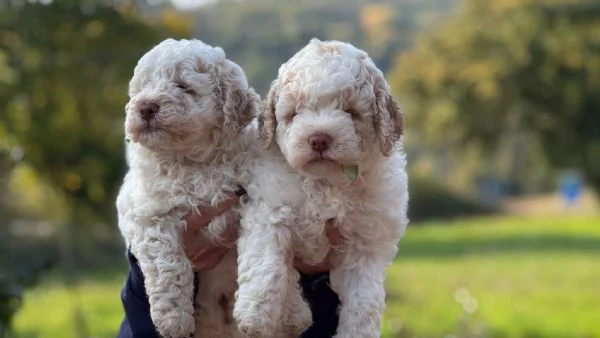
x=240, y=106
x=387, y=119
x=267, y=122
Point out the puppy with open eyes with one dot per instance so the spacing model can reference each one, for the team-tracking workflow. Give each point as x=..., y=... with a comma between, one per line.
x=332, y=134
x=187, y=121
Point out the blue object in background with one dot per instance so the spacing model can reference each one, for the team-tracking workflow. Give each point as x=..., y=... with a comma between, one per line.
x=570, y=187
x=491, y=190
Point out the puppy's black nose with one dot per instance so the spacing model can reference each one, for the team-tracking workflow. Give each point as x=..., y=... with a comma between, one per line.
x=148, y=110
x=319, y=142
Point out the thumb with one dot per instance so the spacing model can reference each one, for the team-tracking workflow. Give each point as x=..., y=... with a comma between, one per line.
x=333, y=233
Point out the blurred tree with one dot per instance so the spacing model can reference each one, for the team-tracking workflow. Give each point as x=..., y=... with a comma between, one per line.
x=64, y=71
x=63, y=112
x=262, y=34
x=511, y=73
x=375, y=21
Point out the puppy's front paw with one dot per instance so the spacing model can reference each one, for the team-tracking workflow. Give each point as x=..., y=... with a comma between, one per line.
x=256, y=319
x=175, y=323
x=250, y=332
x=362, y=332
x=297, y=317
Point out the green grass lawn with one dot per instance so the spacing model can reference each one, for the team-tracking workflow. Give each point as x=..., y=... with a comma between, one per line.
x=489, y=277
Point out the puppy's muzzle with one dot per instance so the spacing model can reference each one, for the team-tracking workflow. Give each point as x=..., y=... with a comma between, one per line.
x=320, y=142
x=148, y=110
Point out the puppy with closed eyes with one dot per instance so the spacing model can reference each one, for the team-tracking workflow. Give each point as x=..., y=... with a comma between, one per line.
x=187, y=121
x=332, y=134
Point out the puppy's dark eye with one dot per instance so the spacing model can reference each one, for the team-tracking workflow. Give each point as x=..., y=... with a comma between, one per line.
x=185, y=88
x=353, y=113
x=290, y=117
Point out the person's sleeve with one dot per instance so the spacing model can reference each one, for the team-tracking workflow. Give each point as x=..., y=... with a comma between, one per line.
x=324, y=305
x=137, y=322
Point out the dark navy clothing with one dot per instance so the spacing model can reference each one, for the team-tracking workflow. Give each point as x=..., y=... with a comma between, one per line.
x=323, y=302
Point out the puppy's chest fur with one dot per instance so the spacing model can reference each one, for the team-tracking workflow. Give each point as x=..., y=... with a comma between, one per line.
x=155, y=188
x=366, y=212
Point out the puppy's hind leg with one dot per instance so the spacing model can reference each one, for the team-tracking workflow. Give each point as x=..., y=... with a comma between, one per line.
x=297, y=316
x=168, y=277
x=359, y=282
x=262, y=253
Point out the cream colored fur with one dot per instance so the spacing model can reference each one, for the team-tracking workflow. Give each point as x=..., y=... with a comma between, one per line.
x=333, y=88
x=186, y=156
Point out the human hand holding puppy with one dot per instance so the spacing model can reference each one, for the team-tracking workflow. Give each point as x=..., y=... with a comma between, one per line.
x=205, y=255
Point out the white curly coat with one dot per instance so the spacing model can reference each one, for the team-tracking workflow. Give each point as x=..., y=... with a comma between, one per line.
x=332, y=88
x=183, y=157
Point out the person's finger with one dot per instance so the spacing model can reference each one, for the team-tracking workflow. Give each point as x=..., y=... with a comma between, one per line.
x=203, y=255
x=221, y=208
x=303, y=268
x=195, y=246
x=196, y=243
x=209, y=260
x=333, y=234
x=196, y=221
x=231, y=234
x=311, y=270
x=335, y=239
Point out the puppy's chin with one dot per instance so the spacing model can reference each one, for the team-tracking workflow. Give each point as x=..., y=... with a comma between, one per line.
x=154, y=139
x=319, y=165
x=325, y=170
x=322, y=168
x=143, y=132
x=193, y=141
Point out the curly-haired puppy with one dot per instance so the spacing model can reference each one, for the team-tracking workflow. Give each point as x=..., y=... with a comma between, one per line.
x=337, y=131
x=186, y=121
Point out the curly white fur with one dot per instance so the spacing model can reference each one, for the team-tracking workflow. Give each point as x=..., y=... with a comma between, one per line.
x=184, y=154
x=335, y=89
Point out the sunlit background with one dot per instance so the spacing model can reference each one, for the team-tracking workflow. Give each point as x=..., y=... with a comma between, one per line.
x=502, y=101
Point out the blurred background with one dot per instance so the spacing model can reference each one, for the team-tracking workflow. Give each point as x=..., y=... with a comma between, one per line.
x=502, y=101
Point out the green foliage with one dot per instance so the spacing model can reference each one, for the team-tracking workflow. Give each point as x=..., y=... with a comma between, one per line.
x=430, y=199
x=19, y=269
x=97, y=299
x=496, y=277
x=525, y=71
x=65, y=107
x=12, y=288
x=262, y=34
x=506, y=69
x=486, y=277
x=64, y=71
